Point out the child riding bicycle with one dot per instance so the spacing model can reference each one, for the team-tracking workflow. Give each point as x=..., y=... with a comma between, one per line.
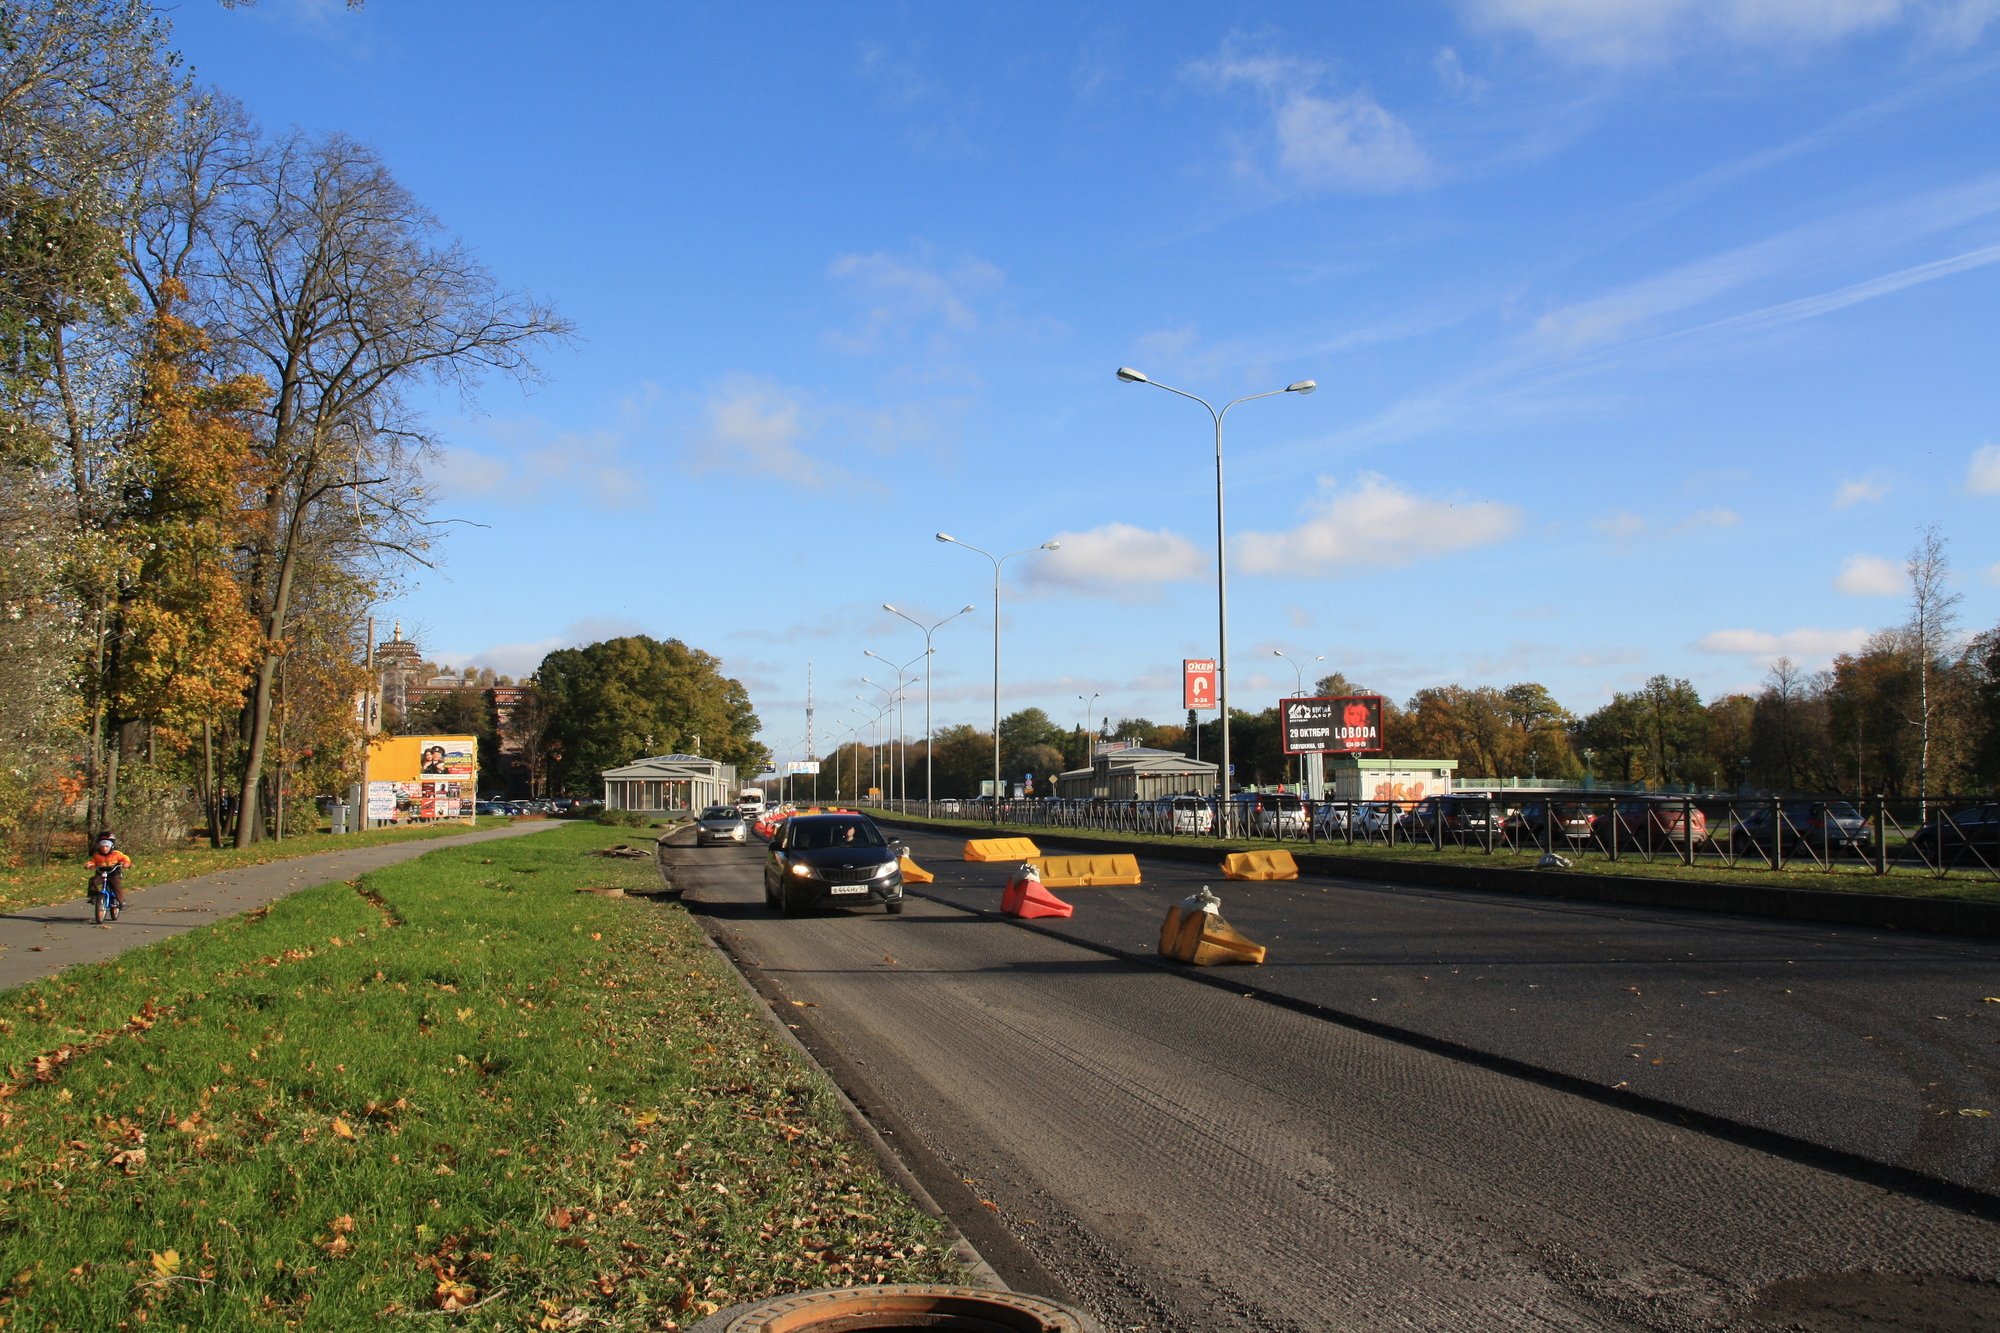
x=106, y=856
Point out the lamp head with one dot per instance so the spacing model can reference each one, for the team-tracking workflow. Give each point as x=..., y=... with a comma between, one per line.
x=967, y=607
x=1131, y=376
x=890, y=609
x=1303, y=386
x=1052, y=546
x=946, y=537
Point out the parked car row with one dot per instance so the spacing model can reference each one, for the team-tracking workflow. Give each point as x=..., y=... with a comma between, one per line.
x=540, y=805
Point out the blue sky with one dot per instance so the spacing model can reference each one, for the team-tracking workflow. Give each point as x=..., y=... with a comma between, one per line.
x=1648, y=335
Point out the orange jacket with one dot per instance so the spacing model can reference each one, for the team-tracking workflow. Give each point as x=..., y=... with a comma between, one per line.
x=114, y=859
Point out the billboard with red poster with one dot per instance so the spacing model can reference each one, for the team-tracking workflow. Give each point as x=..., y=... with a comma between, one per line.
x=1198, y=683
x=1350, y=724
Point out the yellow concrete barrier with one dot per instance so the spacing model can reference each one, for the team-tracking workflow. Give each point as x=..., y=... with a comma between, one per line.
x=1082, y=872
x=912, y=872
x=1205, y=939
x=1260, y=865
x=1001, y=849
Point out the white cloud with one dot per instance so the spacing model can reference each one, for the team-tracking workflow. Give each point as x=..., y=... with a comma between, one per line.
x=1625, y=527
x=467, y=474
x=1453, y=75
x=1870, y=576
x=1375, y=524
x=1983, y=476
x=1993, y=574
x=1868, y=488
x=1348, y=142
x=1802, y=645
x=903, y=297
x=1632, y=32
x=756, y=426
x=1117, y=559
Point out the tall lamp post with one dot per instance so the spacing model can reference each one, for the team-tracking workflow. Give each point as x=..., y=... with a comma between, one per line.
x=888, y=706
x=874, y=751
x=998, y=560
x=1131, y=376
x=1088, y=703
x=902, y=735
x=928, y=631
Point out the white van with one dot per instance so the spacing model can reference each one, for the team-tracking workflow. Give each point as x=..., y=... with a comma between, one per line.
x=750, y=802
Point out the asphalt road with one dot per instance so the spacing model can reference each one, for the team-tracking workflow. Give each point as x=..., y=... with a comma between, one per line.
x=1255, y=1149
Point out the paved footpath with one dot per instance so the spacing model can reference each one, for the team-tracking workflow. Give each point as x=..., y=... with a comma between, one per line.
x=37, y=942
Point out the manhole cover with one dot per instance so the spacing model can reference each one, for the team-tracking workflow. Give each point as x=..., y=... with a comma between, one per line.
x=898, y=1308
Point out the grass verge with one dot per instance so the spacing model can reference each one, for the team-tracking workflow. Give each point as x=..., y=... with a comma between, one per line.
x=1969, y=882
x=459, y=1087
x=63, y=877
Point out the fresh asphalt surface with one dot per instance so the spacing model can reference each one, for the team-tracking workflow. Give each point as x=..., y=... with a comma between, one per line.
x=1430, y=1110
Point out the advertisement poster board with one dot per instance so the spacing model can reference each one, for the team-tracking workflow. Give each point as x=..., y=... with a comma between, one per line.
x=418, y=779
x=1198, y=683
x=1349, y=724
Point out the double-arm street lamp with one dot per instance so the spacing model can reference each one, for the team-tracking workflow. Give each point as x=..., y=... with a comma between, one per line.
x=928, y=631
x=1298, y=666
x=902, y=678
x=881, y=711
x=1089, y=702
x=998, y=560
x=1131, y=376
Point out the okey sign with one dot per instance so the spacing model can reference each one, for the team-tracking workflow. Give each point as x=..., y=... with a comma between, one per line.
x=1198, y=683
x=1350, y=724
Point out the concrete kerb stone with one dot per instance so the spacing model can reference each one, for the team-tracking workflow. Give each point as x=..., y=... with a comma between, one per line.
x=1941, y=916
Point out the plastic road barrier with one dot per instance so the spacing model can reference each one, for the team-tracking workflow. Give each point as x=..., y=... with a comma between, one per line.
x=1082, y=872
x=1001, y=849
x=1260, y=865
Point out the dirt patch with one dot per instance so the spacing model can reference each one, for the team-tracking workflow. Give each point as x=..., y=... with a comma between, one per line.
x=1870, y=1302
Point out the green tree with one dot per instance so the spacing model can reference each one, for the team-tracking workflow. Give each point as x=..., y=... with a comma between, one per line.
x=1019, y=732
x=622, y=699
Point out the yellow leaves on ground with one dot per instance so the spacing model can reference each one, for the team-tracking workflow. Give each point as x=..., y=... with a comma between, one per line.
x=166, y=1263
x=342, y=1128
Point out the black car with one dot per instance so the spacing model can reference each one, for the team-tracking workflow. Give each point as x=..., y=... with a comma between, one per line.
x=1977, y=828
x=832, y=860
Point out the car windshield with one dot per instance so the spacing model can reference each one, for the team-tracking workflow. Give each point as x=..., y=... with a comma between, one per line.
x=718, y=812
x=835, y=833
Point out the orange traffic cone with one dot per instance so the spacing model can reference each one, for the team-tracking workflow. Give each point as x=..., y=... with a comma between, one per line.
x=1025, y=897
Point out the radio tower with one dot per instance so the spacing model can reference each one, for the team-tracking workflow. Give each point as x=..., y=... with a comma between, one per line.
x=810, y=752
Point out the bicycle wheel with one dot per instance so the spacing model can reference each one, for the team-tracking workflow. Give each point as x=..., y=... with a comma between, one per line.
x=96, y=907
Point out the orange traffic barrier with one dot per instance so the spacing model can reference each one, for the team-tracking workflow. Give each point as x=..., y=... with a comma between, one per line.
x=1025, y=897
x=1194, y=932
x=912, y=872
x=1001, y=849
x=1082, y=872
x=1260, y=865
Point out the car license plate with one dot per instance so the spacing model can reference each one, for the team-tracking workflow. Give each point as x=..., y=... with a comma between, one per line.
x=847, y=888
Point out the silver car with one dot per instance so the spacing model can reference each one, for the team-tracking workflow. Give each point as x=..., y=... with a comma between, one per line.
x=720, y=823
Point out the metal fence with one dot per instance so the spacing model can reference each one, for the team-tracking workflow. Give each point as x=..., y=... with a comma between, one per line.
x=1940, y=837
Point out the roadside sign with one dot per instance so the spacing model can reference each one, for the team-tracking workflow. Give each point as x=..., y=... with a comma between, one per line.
x=1349, y=724
x=1198, y=683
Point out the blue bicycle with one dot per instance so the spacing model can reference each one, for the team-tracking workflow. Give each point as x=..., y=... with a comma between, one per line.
x=104, y=904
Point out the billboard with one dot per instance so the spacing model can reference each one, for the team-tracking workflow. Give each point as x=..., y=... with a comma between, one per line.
x=1349, y=724
x=802, y=766
x=412, y=779
x=1198, y=683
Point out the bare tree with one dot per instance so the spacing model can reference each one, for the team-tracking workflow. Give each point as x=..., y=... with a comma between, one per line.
x=343, y=290
x=1933, y=616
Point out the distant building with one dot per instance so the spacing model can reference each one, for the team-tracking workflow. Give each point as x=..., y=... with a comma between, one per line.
x=1136, y=773
x=669, y=783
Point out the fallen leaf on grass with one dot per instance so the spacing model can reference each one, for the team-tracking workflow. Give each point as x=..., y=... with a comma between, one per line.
x=166, y=1262
x=342, y=1128
x=1974, y=1111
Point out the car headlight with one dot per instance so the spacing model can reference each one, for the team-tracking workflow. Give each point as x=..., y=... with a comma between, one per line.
x=886, y=869
x=801, y=869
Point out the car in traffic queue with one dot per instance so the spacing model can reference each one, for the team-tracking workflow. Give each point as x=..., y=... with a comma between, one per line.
x=1270, y=814
x=832, y=860
x=1376, y=818
x=1458, y=818
x=1182, y=814
x=1976, y=828
x=1822, y=826
x=1542, y=819
x=1653, y=821
x=721, y=823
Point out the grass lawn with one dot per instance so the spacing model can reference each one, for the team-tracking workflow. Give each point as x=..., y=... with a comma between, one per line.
x=459, y=1087
x=63, y=877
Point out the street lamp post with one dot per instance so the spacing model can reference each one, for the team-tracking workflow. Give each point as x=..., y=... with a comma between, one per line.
x=1298, y=691
x=998, y=560
x=1088, y=735
x=902, y=734
x=887, y=705
x=928, y=631
x=1131, y=376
